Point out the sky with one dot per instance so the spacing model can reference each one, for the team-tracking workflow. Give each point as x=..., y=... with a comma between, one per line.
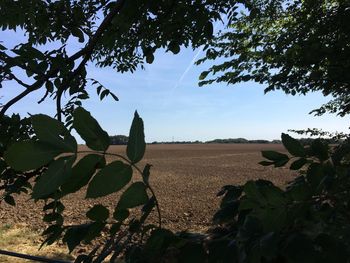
x=174, y=108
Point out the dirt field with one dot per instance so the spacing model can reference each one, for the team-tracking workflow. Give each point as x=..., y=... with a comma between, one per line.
x=185, y=178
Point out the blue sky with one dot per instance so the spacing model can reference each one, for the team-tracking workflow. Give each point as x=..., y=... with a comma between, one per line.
x=167, y=96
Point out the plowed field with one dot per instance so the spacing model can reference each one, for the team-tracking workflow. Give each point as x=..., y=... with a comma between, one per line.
x=185, y=178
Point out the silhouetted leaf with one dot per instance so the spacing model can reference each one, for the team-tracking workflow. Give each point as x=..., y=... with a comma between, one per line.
x=29, y=155
x=98, y=213
x=293, y=146
x=296, y=165
x=320, y=149
x=134, y=196
x=82, y=173
x=136, y=144
x=75, y=235
x=146, y=173
x=56, y=174
x=90, y=131
x=10, y=200
x=274, y=156
x=48, y=130
x=110, y=179
x=266, y=163
x=120, y=214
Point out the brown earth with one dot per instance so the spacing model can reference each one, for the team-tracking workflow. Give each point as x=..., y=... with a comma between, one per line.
x=185, y=178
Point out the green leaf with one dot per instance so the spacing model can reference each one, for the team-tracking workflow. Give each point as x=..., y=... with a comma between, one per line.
x=157, y=243
x=174, y=47
x=94, y=231
x=320, y=149
x=209, y=30
x=274, y=156
x=149, y=58
x=293, y=146
x=114, y=96
x=110, y=179
x=54, y=233
x=53, y=217
x=48, y=130
x=98, y=213
x=120, y=214
x=78, y=33
x=10, y=200
x=146, y=173
x=266, y=163
x=75, y=235
x=115, y=228
x=252, y=191
x=82, y=173
x=136, y=144
x=134, y=196
x=29, y=155
x=296, y=165
x=281, y=163
x=90, y=131
x=315, y=174
x=56, y=174
x=147, y=208
x=203, y=75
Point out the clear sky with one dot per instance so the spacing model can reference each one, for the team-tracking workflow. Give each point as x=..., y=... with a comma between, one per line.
x=167, y=96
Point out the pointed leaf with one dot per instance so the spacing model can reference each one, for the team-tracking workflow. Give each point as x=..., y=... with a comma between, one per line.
x=266, y=163
x=49, y=130
x=110, y=179
x=134, y=196
x=320, y=149
x=75, y=235
x=29, y=155
x=274, y=156
x=90, y=131
x=146, y=173
x=53, y=177
x=82, y=173
x=296, y=165
x=10, y=200
x=293, y=146
x=136, y=144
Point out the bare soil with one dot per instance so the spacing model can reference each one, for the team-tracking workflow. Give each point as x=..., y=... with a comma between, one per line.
x=186, y=179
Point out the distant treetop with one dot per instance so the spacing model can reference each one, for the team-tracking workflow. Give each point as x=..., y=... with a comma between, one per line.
x=295, y=46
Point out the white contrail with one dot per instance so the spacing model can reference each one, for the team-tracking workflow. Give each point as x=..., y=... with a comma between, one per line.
x=190, y=65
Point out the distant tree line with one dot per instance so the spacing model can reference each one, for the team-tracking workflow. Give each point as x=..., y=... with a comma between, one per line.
x=119, y=139
x=230, y=140
x=303, y=141
x=241, y=140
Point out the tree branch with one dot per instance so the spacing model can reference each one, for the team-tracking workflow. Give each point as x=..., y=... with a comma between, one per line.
x=86, y=52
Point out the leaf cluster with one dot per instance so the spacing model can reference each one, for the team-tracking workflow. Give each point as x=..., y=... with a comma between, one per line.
x=51, y=154
x=293, y=46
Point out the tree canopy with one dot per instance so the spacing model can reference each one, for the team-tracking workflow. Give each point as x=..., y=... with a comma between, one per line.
x=121, y=34
x=295, y=46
